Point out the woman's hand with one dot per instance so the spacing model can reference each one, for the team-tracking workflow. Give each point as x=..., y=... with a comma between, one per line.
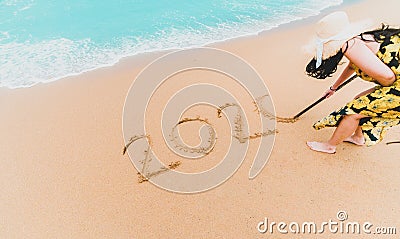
x=329, y=92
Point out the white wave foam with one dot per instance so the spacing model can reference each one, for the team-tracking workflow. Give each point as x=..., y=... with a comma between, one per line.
x=26, y=64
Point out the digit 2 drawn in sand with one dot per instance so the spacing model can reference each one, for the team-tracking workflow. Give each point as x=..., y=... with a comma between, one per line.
x=165, y=67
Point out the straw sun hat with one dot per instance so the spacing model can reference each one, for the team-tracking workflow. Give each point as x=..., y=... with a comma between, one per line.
x=332, y=32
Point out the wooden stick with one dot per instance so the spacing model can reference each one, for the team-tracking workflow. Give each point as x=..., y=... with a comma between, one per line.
x=324, y=97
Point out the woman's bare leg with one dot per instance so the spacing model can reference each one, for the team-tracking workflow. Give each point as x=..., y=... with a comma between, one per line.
x=348, y=130
x=357, y=138
x=366, y=92
x=347, y=126
x=358, y=132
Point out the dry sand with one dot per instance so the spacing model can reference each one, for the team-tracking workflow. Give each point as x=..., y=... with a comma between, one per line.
x=62, y=174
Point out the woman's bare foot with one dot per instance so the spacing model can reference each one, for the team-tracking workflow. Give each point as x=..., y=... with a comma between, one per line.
x=322, y=147
x=360, y=141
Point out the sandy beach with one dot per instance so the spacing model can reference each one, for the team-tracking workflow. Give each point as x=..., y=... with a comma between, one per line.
x=63, y=175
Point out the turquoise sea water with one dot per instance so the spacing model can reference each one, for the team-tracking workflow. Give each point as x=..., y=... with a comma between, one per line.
x=42, y=41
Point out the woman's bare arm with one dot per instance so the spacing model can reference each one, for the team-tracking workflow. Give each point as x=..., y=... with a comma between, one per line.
x=346, y=73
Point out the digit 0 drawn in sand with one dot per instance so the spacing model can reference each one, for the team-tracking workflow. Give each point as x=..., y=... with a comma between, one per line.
x=202, y=150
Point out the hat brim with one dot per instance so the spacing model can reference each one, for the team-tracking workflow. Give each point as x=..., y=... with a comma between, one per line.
x=332, y=47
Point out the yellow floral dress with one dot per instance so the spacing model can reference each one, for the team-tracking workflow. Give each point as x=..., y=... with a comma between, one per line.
x=382, y=106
